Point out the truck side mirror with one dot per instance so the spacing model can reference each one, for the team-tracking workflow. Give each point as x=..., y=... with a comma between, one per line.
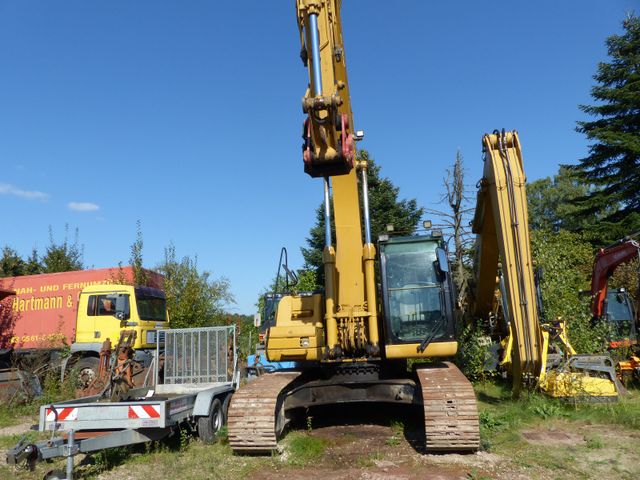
x=122, y=307
x=257, y=320
x=443, y=262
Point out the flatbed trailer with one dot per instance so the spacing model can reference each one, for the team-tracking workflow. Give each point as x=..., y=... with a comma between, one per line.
x=194, y=387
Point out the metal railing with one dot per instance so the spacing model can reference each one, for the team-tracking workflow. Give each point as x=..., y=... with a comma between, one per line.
x=199, y=355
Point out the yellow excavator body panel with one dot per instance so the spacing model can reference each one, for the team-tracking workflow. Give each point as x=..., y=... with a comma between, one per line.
x=410, y=350
x=298, y=333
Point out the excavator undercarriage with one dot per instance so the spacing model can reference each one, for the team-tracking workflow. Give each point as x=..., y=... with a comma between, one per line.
x=446, y=396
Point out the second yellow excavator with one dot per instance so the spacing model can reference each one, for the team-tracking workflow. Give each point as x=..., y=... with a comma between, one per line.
x=506, y=295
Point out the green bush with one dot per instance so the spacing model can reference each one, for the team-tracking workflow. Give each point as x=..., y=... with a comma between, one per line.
x=566, y=259
x=473, y=354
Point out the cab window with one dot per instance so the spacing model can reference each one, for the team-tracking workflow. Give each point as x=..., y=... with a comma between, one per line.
x=102, y=305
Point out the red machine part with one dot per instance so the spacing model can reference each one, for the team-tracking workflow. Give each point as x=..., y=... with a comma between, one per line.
x=607, y=259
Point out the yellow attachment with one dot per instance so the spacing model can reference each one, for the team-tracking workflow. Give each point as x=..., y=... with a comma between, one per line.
x=298, y=333
x=559, y=383
x=329, y=261
x=577, y=385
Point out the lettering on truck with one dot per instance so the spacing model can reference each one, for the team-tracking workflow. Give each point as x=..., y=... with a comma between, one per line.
x=44, y=310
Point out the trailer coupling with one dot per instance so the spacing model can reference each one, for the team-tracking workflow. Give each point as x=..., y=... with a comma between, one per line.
x=24, y=452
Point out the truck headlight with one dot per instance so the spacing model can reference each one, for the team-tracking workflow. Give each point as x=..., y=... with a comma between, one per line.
x=151, y=336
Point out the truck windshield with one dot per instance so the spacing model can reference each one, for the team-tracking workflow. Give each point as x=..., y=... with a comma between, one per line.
x=151, y=307
x=414, y=297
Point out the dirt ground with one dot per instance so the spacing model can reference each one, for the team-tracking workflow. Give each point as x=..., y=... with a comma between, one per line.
x=391, y=449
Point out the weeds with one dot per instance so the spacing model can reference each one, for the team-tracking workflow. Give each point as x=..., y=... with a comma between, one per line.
x=223, y=435
x=474, y=475
x=304, y=449
x=369, y=460
x=594, y=443
x=109, y=458
x=397, y=429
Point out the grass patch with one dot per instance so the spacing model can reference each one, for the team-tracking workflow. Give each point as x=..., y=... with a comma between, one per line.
x=303, y=448
x=397, y=429
x=369, y=460
x=594, y=442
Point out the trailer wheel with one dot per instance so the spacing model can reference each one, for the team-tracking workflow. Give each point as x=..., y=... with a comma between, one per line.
x=87, y=368
x=209, y=426
x=55, y=475
x=225, y=408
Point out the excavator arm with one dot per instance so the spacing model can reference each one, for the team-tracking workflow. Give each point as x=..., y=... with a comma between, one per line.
x=502, y=228
x=329, y=144
x=342, y=323
x=607, y=259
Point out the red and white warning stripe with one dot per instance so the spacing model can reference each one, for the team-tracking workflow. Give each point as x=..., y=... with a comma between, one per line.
x=64, y=414
x=144, y=411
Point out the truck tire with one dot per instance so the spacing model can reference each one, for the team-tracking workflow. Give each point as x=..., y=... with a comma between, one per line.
x=87, y=371
x=209, y=426
x=55, y=475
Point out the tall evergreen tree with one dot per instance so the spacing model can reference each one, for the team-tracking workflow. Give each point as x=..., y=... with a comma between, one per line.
x=613, y=164
x=384, y=206
x=11, y=264
x=64, y=256
x=552, y=202
x=33, y=265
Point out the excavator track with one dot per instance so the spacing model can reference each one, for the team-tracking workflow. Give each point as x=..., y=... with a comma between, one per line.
x=450, y=409
x=251, y=424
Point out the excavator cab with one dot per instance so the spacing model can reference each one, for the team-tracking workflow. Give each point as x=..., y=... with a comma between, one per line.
x=417, y=296
x=619, y=314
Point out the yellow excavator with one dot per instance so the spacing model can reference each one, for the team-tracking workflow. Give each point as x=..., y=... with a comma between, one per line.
x=506, y=296
x=349, y=347
x=352, y=342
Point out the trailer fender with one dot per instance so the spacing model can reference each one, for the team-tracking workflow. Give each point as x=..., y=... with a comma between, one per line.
x=204, y=400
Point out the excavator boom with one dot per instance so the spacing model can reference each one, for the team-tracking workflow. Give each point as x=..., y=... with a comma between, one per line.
x=502, y=228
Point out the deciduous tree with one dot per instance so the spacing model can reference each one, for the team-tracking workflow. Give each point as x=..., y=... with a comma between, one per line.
x=194, y=298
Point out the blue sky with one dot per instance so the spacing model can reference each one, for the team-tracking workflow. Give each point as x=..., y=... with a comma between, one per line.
x=187, y=116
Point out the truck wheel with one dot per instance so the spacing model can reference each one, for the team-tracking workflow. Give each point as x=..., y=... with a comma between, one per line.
x=209, y=426
x=87, y=369
x=55, y=475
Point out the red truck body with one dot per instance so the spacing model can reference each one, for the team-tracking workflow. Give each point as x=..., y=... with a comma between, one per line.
x=44, y=308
